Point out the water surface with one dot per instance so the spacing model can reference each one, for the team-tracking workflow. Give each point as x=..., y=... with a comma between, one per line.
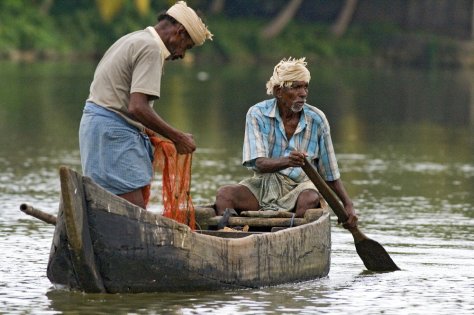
x=405, y=144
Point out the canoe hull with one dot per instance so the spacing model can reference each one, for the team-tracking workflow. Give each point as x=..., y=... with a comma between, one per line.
x=137, y=251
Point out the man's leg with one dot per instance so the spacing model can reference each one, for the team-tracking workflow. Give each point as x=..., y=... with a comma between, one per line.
x=135, y=197
x=236, y=197
x=307, y=199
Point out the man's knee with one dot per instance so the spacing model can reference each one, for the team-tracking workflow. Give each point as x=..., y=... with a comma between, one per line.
x=311, y=198
x=235, y=196
x=225, y=197
x=307, y=199
x=225, y=192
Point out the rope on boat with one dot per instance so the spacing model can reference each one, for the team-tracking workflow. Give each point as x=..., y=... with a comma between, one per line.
x=292, y=219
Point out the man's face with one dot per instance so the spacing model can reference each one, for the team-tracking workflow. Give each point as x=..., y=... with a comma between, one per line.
x=293, y=96
x=179, y=43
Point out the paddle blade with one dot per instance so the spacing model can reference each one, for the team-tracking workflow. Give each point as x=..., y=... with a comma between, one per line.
x=374, y=256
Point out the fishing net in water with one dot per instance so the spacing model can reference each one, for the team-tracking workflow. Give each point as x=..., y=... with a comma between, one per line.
x=176, y=170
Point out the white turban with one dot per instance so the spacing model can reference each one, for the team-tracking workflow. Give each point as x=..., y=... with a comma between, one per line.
x=191, y=22
x=288, y=70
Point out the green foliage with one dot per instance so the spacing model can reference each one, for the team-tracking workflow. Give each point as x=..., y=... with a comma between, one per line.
x=76, y=28
x=23, y=27
x=235, y=39
x=376, y=34
x=70, y=28
x=240, y=40
x=84, y=31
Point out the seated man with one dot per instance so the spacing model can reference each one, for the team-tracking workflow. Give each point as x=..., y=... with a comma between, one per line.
x=279, y=134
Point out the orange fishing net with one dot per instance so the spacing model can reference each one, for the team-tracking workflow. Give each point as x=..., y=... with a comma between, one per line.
x=176, y=170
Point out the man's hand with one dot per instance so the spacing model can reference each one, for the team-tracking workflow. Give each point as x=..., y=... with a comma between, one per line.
x=296, y=158
x=185, y=143
x=142, y=112
x=351, y=218
x=338, y=187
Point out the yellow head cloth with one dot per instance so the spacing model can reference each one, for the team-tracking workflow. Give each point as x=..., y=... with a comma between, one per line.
x=191, y=22
x=288, y=70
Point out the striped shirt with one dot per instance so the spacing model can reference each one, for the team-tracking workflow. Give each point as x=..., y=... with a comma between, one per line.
x=265, y=137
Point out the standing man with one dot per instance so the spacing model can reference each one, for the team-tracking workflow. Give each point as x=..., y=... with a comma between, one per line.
x=279, y=133
x=115, y=150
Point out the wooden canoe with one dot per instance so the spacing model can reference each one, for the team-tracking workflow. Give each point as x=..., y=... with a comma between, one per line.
x=103, y=243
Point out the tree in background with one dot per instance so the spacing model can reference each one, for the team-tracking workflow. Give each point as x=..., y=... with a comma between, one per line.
x=344, y=18
x=275, y=27
x=339, y=27
x=217, y=6
x=46, y=6
x=49, y=29
x=109, y=9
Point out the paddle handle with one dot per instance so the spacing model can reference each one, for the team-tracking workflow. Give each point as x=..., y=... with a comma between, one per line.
x=43, y=216
x=324, y=189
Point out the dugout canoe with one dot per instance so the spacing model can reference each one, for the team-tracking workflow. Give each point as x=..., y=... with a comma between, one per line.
x=105, y=244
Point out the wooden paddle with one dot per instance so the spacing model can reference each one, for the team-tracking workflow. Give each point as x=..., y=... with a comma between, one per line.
x=373, y=255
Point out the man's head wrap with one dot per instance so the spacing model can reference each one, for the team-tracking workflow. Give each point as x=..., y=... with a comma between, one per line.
x=191, y=22
x=287, y=71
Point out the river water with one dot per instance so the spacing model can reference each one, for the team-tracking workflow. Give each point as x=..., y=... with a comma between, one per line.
x=405, y=144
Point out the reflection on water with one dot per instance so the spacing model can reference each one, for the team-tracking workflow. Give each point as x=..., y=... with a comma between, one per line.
x=405, y=145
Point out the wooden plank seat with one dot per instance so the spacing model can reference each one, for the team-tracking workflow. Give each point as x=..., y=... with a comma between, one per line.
x=257, y=221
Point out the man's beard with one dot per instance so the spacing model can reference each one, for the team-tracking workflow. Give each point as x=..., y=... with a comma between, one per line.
x=297, y=107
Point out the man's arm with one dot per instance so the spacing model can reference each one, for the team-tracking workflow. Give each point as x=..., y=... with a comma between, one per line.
x=271, y=165
x=338, y=187
x=143, y=113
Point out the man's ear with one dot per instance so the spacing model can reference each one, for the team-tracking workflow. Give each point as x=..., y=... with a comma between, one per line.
x=277, y=91
x=181, y=29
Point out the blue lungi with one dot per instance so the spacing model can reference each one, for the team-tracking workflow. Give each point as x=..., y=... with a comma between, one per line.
x=115, y=154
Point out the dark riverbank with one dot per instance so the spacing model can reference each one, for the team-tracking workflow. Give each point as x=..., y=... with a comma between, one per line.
x=414, y=32
x=239, y=41
x=77, y=31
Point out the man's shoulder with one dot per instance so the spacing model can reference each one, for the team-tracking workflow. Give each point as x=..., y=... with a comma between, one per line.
x=315, y=113
x=133, y=35
x=140, y=38
x=262, y=107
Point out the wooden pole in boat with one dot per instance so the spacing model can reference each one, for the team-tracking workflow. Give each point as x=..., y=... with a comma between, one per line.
x=373, y=255
x=41, y=215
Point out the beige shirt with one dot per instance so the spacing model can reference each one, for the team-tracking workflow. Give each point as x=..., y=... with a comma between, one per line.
x=134, y=63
